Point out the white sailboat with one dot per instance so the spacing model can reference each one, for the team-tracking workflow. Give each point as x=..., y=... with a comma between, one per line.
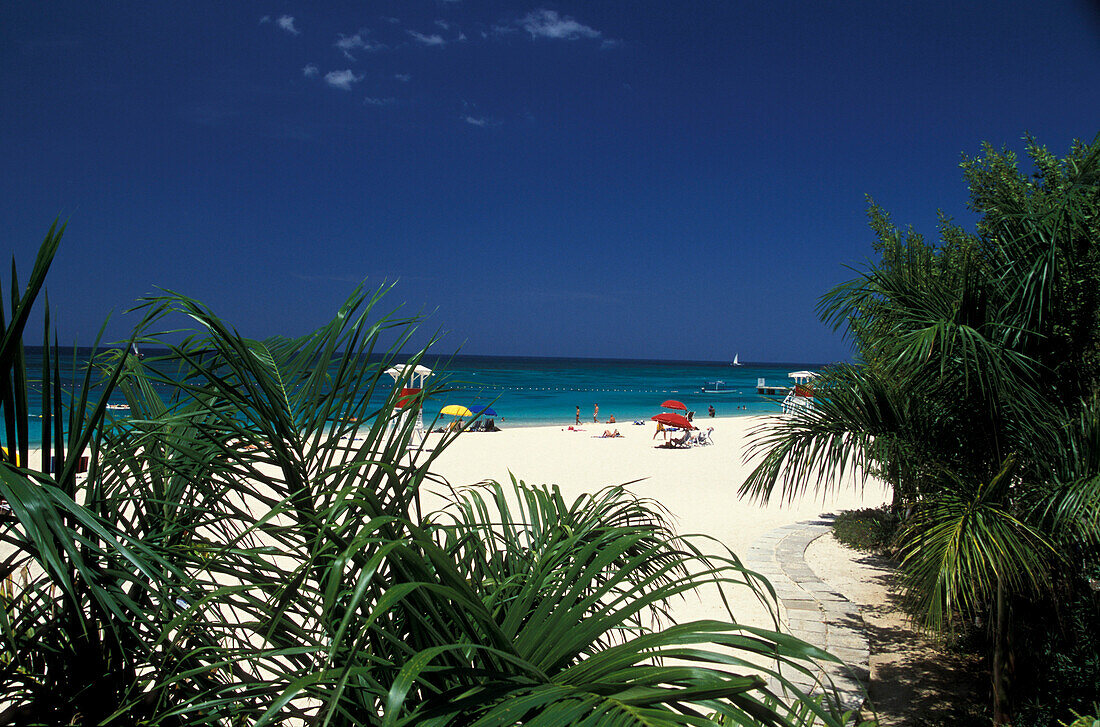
x=735, y=361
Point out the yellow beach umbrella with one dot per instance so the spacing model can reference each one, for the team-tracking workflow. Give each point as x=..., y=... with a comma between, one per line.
x=455, y=410
x=17, y=458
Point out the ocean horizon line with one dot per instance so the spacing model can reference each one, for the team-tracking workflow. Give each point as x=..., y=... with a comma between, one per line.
x=158, y=350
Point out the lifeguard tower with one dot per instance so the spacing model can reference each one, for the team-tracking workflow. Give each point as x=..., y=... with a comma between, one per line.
x=409, y=401
x=801, y=396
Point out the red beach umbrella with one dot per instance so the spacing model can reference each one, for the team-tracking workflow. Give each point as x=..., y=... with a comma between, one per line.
x=673, y=420
x=673, y=404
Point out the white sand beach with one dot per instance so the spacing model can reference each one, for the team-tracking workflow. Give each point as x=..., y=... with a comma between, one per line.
x=698, y=485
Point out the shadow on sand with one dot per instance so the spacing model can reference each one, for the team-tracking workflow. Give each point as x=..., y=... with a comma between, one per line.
x=916, y=680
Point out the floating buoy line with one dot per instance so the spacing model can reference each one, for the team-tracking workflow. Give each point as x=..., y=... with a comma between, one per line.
x=520, y=388
x=573, y=388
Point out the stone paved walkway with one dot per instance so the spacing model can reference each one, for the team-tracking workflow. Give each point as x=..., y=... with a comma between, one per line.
x=813, y=612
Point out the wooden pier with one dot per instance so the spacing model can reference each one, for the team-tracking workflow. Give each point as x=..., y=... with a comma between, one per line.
x=763, y=389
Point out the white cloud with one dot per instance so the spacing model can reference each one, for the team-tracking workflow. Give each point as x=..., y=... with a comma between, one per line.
x=476, y=120
x=388, y=101
x=548, y=24
x=265, y=19
x=342, y=79
x=310, y=70
x=348, y=43
x=443, y=24
x=286, y=22
x=436, y=40
x=403, y=77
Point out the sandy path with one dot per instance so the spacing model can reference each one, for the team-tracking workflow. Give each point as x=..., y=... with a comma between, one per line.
x=915, y=681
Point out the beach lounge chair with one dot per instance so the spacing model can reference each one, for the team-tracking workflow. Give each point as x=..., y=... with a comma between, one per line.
x=683, y=442
x=704, y=438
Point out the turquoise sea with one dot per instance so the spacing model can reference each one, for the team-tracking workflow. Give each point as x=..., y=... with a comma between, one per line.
x=531, y=391
x=527, y=391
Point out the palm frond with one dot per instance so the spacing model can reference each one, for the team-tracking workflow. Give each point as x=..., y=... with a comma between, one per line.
x=960, y=546
x=855, y=414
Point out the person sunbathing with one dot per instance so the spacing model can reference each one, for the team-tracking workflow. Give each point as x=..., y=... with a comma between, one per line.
x=684, y=441
x=674, y=443
x=610, y=434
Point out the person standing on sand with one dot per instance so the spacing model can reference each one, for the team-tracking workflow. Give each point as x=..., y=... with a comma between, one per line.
x=660, y=430
x=578, y=413
x=596, y=413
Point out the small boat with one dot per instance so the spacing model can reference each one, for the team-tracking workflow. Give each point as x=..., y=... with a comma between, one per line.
x=735, y=362
x=717, y=387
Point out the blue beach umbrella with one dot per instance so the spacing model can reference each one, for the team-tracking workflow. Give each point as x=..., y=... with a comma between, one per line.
x=487, y=411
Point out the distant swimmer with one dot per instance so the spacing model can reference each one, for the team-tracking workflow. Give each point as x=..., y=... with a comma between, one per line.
x=710, y=410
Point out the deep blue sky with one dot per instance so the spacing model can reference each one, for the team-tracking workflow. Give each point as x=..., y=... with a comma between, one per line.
x=639, y=180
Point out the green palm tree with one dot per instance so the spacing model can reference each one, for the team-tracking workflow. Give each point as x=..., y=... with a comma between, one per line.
x=973, y=395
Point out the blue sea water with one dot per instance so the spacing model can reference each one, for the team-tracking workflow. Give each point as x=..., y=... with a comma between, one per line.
x=537, y=391
x=531, y=391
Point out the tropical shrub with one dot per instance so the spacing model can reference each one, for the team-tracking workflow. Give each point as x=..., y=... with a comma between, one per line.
x=974, y=394
x=869, y=529
x=1063, y=671
x=76, y=591
x=1084, y=720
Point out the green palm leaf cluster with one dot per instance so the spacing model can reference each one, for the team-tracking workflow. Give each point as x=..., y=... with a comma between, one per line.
x=261, y=541
x=975, y=395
